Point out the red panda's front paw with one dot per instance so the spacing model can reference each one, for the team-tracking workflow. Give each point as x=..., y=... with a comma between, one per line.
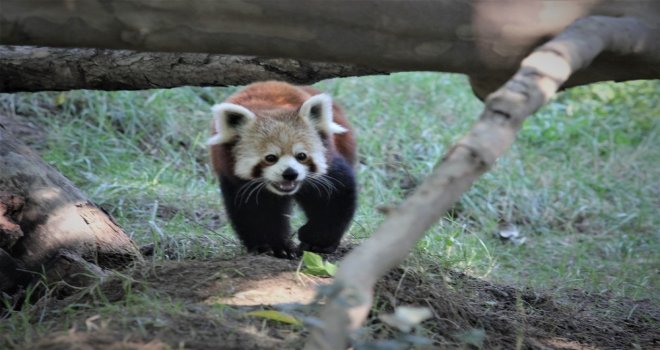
x=289, y=251
x=317, y=248
x=286, y=250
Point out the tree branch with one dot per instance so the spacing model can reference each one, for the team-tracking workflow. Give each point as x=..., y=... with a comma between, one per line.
x=537, y=80
x=29, y=68
x=484, y=39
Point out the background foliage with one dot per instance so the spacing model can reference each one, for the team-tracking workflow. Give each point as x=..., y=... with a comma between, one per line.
x=581, y=184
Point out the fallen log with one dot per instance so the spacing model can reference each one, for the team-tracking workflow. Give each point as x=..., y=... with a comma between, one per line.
x=48, y=225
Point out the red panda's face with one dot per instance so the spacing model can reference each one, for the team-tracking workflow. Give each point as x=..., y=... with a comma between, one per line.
x=277, y=149
x=281, y=152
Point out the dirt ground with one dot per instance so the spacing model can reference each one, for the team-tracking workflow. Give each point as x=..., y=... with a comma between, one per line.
x=203, y=305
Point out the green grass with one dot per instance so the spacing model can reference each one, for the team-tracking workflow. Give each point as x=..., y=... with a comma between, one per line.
x=581, y=183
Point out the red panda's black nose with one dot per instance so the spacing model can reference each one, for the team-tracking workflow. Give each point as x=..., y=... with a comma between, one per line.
x=290, y=174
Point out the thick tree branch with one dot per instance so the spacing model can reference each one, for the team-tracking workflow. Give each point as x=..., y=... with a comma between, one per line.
x=537, y=80
x=484, y=39
x=29, y=68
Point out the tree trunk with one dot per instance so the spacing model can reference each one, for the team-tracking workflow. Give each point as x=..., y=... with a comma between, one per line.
x=48, y=225
x=28, y=68
x=484, y=39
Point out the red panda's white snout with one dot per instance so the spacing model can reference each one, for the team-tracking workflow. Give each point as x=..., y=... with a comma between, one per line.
x=285, y=176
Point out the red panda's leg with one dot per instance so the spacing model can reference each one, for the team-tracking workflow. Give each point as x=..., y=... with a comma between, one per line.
x=260, y=219
x=329, y=208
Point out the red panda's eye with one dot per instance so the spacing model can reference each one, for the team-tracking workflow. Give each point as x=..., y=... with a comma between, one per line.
x=301, y=156
x=271, y=158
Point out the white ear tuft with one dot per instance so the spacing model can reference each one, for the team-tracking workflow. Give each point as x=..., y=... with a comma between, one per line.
x=228, y=118
x=318, y=111
x=337, y=129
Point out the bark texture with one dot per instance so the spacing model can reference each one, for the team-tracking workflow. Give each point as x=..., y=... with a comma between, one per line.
x=47, y=225
x=484, y=39
x=539, y=77
x=29, y=68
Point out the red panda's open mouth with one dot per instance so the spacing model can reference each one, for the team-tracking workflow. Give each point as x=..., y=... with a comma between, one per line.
x=285, y=187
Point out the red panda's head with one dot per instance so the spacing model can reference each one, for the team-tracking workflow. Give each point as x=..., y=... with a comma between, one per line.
x=279, y=148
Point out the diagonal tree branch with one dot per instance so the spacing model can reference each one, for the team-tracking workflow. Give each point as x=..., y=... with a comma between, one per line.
x=537, y=80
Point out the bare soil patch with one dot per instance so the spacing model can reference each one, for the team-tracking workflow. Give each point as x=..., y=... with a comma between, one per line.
x=203, y=304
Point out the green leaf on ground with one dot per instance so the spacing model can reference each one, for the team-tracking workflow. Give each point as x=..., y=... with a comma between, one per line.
x=314, y=265
x=275, y=316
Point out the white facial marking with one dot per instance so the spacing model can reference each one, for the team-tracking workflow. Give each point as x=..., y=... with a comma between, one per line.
x=279, y=185
x=299, y=148
x=244, y=166
x=272, y=149
x=274, y=172
x=321, y=164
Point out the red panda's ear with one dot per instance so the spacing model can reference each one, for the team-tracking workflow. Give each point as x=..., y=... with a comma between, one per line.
x=318, y=111
x=228, y=118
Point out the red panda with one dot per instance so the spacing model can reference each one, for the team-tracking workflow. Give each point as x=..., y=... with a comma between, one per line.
x=273, y=144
